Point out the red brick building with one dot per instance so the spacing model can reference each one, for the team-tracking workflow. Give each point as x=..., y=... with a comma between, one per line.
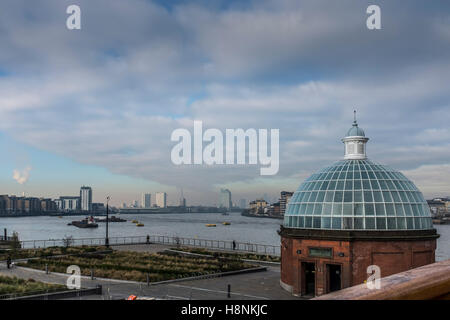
x=349, y=216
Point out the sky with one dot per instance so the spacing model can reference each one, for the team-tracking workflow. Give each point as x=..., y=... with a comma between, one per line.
x=97, y=106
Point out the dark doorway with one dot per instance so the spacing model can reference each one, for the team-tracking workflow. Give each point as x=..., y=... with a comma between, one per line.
x=309, y=270
x=334, y=277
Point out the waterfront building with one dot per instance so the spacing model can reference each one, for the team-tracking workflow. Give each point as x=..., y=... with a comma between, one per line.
x=242, y=203
x=225, y=199
x=349, y=216
x=68, y=203
x=258, y=206
x=284, y=200
x=146, y=200
x=98, y=207
x=86, y=198
x=161, y=199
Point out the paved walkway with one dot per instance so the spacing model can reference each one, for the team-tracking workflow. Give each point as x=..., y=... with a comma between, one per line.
x=257, y=285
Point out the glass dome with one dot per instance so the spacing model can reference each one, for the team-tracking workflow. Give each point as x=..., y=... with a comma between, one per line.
x=358, y=195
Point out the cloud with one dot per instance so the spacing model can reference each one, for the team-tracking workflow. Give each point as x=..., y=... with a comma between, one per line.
x=111, y=94
x=22, y=176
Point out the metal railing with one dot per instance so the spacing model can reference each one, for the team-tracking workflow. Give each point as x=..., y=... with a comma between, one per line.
x=157, y=239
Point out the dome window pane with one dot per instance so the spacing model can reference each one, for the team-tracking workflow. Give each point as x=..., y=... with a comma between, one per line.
x=390, y=211
x=324, y=185
x=399, y=210
x=375, y=184
x=347, y=209
x=401, y=223
x=327, y=209
x=408, y=210
x=340, y=185
x=381, y=224
x=387, y=196
x=359, y=223
x=347, y=223
x=348, y=196
x=383, y=185
x=318, y=209
x=316, y=223
x=320, y=196
x=368, y=209
x=368, y=196
x=301, y=221
x=379, y=209
x=329, y=196
x=337, y=209
x=377, y=196
x=418, y=223
x=370, y=223
x=358, y=209
x=391, y=223
x=395, y=196
x=326, y=223
x=302, y=208
x=409, y=223
x=308, y=222
x=332, y=185
x=366, y=185
x=309, y=208
x=358, y=196
x=357, y=175
x=336, y=223
x=338, y=196
x=403, y=196
x=357, y=185
x=349, y=185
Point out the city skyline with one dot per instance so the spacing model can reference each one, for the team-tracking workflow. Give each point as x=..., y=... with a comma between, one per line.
x=102, y=115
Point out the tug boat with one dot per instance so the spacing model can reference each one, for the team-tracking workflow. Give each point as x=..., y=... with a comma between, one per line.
x=85, y=223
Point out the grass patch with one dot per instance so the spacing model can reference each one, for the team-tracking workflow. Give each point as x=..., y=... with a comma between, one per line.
x=229, y=255
x=127, y=265
x=21, y=287
x=47, y=252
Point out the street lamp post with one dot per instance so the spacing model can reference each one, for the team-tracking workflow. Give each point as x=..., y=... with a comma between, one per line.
x=107, y=220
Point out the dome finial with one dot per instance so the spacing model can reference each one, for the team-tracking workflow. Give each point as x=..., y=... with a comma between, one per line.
x=354, y=118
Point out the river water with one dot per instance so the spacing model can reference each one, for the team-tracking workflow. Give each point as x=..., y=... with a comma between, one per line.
x=241, y=229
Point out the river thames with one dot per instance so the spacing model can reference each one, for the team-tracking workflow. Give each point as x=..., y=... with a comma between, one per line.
x=241, y=229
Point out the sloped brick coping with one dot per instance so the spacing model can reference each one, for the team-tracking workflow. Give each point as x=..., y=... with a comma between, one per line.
x=360, y=235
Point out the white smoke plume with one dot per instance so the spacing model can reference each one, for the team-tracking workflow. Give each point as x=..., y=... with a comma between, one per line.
x=22, y=176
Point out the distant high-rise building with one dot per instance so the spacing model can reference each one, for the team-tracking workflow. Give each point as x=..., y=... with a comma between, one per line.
x=124, y=205
x=225, y=198
x=284, y=200
x=146, y=200
x=161, y=199
x=136, y=204
x=242, y=203
x=86, y=198
x=183, y=202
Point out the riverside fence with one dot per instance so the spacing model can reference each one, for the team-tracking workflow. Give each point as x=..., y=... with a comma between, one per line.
x=157, y=239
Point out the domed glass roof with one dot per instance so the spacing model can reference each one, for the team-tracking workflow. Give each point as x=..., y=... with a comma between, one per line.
x=358, y=195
